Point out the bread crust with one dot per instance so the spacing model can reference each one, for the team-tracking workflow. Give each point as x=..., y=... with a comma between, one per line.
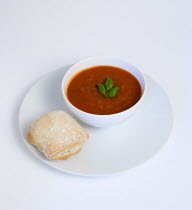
x=64, y=157
x=57, y=135
x=30, y=138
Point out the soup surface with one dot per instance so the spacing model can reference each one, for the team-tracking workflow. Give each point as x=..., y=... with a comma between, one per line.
x=83, y=93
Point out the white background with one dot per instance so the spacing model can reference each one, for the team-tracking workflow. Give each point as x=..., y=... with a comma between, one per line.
x=38, y=36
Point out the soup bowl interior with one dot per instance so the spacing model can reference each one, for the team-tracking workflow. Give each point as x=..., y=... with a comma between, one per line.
x=102, y=120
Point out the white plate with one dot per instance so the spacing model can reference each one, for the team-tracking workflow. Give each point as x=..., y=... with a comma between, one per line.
x=109, y=150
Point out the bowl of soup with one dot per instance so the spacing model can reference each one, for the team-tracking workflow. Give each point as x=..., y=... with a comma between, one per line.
x=103, y=91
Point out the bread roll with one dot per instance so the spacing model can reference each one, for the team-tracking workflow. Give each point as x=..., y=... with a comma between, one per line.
x=57, y=135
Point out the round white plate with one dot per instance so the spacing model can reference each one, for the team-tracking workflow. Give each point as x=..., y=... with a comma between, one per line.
x=109, y=150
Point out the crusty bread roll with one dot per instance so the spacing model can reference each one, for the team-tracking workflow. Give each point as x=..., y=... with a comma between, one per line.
x=57, y=135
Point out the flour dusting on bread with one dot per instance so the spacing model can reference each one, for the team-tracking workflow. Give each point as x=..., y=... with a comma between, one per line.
x=56, y=133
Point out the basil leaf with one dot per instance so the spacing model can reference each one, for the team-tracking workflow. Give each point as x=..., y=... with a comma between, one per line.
x=101, y=88
x=113, y=92
x=108, y=83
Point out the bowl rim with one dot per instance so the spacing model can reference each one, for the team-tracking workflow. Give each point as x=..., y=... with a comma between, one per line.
x=98, y=115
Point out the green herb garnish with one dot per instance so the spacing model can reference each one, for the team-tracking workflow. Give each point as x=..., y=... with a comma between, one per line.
x=113, y=92
x=108, y=83
x=102, y=88
x=108, y=90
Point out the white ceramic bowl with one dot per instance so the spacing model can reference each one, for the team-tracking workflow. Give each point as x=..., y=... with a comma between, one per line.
x=102, y=120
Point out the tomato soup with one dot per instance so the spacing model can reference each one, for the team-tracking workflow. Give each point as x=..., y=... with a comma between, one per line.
x=83, y=92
